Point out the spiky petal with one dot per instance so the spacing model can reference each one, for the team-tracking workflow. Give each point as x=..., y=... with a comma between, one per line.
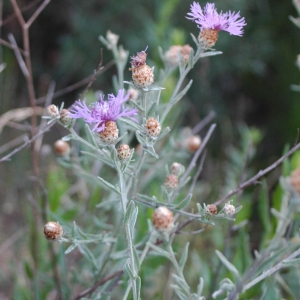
x=103, y=111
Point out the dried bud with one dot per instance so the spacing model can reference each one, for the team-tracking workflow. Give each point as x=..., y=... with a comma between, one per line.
x=53, y=231
x=208, y=37
x=139, y=59
x=53, y=111
x=133, y=94
x=185, y=52
x=295, y=180
x=193, y=143
x=211, y=209
x=123, y=152
x=110, y=133
x=112, y=38
x=177, y=169
x=152, y=127
x=229, y=209
x=171, y=56
x=171, y=182
x=162, y=219
x=62, y=148
x=65, y=117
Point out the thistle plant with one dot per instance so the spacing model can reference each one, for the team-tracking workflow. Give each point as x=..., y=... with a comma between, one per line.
x=143, y=175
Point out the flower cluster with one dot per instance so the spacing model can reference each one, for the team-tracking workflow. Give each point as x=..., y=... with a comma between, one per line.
x=208, y=18
x=103, y=111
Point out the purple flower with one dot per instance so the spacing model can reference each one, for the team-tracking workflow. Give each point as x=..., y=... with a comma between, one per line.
x=208, y=18
x=102, y=111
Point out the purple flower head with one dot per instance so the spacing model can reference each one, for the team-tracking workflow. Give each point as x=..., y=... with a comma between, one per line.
x=102, y=111
x=208, y=18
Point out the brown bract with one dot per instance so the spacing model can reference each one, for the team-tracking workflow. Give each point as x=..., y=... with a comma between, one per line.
x=110, y=133
x=162, y=219
x=53, y=231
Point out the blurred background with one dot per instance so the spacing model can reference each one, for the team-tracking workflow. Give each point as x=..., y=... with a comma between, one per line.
x=249, y=84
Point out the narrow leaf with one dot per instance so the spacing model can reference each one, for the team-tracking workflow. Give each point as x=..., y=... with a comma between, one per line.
x=228, y=264
x=128, y=270
x=70, y=248
x=131, y=123
x=138, y=287
x=151, y=110
x=129, y=211
x=132, y=221
x=185, y=202
x=182, y=93
x=184, y=256
x=136, y=259
x=159, y=250
x=109, y=185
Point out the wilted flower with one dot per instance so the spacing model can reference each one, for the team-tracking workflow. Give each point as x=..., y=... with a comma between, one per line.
x=210, y=22
x=103, y=111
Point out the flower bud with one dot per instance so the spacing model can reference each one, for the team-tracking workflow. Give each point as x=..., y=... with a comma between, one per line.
x=171, y=56
x=211, y=209
x=53, y=231
x=177, y=169
x=65, y=117
x=61, y=148
x=53, y=111
x=123, y=152
x=193, y=143
x=112, y=38
x=152, y=127
x=295, y=180
x=208, y=37
x=171, y=182
x=133, y=94
x=110, y=133
x=229, y=209
x=162, y=219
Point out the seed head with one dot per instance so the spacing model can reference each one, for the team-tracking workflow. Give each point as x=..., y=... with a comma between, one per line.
x=65, y=117
x=295, y=180
x=110, y=133
x=229, y=209
x=211, y=209
x=171, y=182
x=53, y=231
x=162, y=219
x=61, y=148
x=53, y=111
x=142, y=76
x=193, y=143
x=123, y=152
x=152, y=127
x=139, y=59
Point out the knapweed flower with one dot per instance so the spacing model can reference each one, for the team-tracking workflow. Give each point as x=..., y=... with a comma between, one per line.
x=210, y=22
x=103, y=111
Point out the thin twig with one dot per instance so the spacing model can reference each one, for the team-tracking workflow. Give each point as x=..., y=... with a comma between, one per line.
x=13, y=143
x=18, y=12
x=37, y=12
x=99, y=283
x=197, y=174
x=76, y=85
x=261, y=173
x=7, y=44
x=18, y=55
x=23, y=9
x=96, y=74
x=6, y=157
x=204, y=122
x=197, y=153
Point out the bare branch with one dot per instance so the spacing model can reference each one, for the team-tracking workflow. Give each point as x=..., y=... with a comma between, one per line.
x=37, y=12
x=76, y=85
x=18, y=12
x=7, y=44
x=204, y=122
x=6, y=158
x=261, y=173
